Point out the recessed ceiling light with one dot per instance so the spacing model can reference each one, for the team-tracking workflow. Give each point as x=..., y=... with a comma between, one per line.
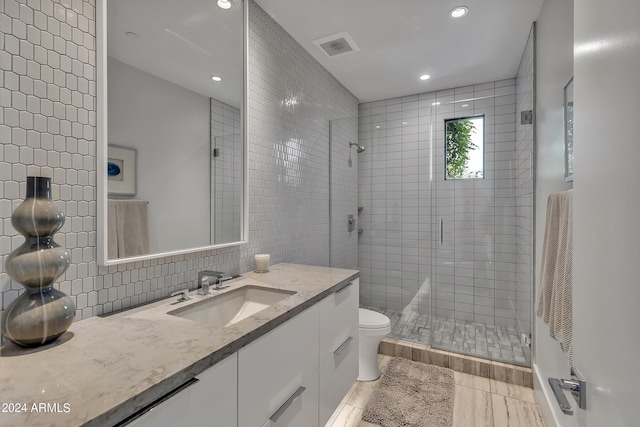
x=465, y=105
x=458, y=12
x=425, y=77
x=435, y=103
x=224, y=4
x=216, y=78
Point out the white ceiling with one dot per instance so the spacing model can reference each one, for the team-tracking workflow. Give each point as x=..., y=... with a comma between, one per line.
x=401, y=39
x=183, y=41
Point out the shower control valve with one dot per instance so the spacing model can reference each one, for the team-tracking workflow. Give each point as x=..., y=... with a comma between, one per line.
x=351, y=223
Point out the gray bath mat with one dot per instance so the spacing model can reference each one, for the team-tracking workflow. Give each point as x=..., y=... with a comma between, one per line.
x=412, y=394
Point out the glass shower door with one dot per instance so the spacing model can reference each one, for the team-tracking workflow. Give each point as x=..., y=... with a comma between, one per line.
x=475, y=260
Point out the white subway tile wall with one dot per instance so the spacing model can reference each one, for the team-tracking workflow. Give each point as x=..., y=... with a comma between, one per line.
x=292, y=99
x=474, y=270
x=47, y=127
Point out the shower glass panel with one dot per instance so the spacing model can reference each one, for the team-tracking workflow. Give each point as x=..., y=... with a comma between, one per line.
x=395, y=216
x=477, y=305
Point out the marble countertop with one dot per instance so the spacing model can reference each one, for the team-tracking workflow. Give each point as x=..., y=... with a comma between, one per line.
x=103, y=369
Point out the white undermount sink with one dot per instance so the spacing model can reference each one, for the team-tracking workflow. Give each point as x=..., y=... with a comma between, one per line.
x=232, y=306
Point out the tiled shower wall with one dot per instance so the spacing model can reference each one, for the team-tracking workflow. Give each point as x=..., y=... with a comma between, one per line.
x=524, y=188
x=344, y=192
x=472, y=275
x=226, y=185
x=47, y=127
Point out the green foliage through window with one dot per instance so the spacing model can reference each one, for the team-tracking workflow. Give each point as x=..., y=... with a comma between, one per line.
x=463, y=151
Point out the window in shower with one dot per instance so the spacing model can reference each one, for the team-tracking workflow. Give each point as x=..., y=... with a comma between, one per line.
x=464, y=147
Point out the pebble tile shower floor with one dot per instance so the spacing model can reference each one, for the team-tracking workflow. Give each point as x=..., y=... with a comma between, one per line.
x=473, y=338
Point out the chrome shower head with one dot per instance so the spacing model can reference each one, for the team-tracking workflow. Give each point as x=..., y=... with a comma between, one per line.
x=359, y=148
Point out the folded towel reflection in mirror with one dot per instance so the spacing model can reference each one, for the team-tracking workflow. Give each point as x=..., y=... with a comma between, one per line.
x=127, y=228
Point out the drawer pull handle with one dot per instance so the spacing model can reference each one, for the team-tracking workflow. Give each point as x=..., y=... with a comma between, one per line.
x=343, y=346
x=287, y=404
x=343, y=287
x=150, y=407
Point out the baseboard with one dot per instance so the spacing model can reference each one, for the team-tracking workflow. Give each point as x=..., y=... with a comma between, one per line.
x=545, y=398
x=512, y=374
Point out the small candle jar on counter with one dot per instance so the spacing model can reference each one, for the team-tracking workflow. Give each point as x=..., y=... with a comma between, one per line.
x=262, y=263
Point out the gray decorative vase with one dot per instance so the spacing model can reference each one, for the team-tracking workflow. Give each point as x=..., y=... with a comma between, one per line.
x=42, y=313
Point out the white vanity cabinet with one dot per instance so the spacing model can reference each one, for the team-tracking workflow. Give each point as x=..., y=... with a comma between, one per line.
x=294, y=375
x=211, y=401
x=338, y=347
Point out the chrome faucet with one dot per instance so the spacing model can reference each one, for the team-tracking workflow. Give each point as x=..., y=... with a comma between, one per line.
x=204, y=285
x=184, y=295
x=215, y=278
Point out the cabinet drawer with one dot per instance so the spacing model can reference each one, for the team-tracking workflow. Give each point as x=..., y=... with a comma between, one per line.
x=274, y=366
x=336, y=376
x=338, y=318
x=301, y=409
x=210, y=401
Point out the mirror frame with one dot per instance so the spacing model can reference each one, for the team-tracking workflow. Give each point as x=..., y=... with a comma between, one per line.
x=102, y=145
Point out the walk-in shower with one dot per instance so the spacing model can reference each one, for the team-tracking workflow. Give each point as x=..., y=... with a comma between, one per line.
x=444, y=249
x=441, y=255
x=447, y=253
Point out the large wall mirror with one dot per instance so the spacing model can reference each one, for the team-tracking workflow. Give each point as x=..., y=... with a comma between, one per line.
x=171, y=142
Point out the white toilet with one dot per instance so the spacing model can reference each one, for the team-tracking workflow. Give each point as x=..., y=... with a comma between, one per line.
x=373, y=328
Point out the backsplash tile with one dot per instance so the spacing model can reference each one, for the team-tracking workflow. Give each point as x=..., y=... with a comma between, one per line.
x=47, y=127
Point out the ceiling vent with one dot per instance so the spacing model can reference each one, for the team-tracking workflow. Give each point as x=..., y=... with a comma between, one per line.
x=337, y=44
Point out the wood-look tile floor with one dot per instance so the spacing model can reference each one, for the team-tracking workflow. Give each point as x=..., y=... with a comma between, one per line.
x=479, y=402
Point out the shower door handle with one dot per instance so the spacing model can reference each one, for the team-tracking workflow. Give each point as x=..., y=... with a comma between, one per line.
x=441, y=237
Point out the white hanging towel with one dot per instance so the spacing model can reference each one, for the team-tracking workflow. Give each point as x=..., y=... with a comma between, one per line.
x=555, y=296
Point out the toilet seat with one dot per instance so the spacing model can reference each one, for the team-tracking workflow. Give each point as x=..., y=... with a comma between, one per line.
x=370, y=319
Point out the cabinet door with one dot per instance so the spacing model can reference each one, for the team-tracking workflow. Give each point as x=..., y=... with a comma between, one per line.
x=219, y=393
x=211, y=402
x=273, y=367
x=336, y=376
x=338, y=348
